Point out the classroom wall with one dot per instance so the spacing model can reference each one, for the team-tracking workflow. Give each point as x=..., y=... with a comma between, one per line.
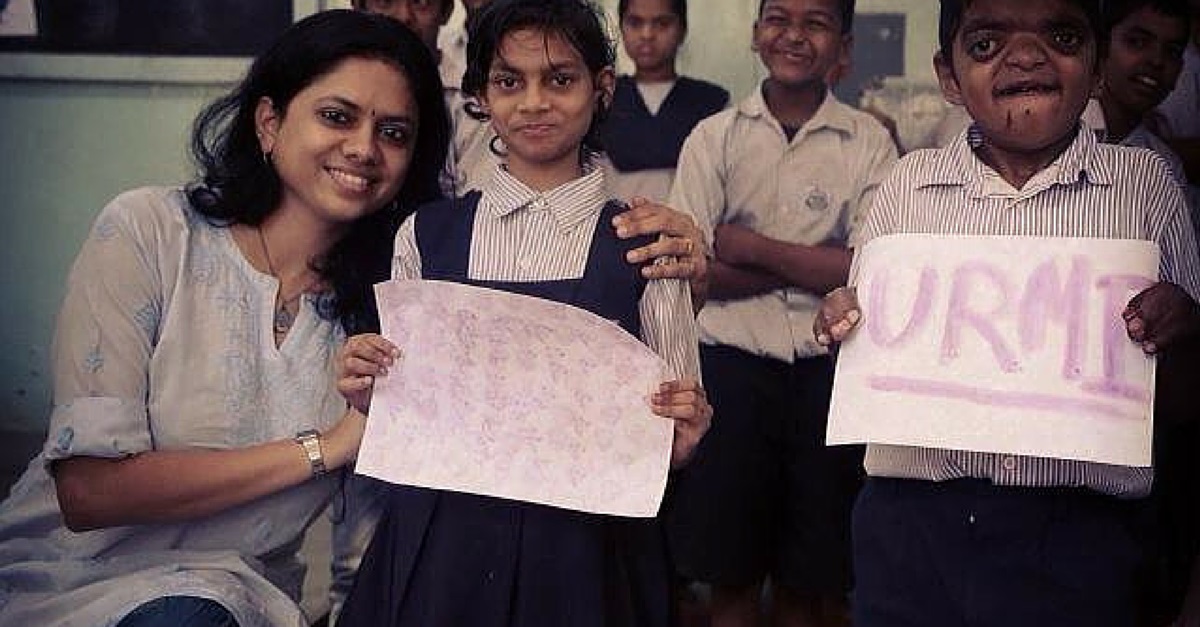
x=69, y=146
x=72, y=144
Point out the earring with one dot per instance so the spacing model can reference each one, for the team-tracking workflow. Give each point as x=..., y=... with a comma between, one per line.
x=266, y=158
x=496, y=147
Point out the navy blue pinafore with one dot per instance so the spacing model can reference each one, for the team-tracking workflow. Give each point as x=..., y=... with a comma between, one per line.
x=446, y=559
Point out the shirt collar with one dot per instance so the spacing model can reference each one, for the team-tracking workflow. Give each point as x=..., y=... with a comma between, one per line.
x=569, y=203
x=832, y=114
x=959, y=165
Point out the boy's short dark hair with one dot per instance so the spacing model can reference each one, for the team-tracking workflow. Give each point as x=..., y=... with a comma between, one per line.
x=847, y=16
x=952, y=11
x=1116, y=11
x=678, y=7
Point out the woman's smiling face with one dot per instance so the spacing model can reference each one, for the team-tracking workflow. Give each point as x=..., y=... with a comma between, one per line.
x=343, y=145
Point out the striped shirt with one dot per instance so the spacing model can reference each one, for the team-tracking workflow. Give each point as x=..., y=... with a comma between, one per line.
x=522, y=235
x=1091, y=190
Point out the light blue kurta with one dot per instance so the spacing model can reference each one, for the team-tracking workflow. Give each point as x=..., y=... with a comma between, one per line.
x=164, y=342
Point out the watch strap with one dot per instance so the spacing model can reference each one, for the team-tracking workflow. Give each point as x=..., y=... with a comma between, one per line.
x=310, y=443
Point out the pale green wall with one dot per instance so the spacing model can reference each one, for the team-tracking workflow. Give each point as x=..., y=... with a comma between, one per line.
x=71, y=145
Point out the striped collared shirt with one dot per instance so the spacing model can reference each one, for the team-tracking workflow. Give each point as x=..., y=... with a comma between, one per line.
x=1092, y=190
x=522, y=235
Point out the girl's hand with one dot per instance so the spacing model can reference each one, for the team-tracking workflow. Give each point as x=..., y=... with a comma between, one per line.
x=360, y=360
x=839, y=315
x=1160, y=316
x=686, y=403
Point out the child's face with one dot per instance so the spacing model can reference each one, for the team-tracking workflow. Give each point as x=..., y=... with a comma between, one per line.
x=652, y=34
x=801, y=41
x=423, y=17
x=541, y=97
x=1024, y=69
x=1144, y=59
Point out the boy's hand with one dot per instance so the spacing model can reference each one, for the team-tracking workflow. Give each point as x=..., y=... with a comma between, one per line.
x=838, y=316
x=363, y=358
x=1160, y=316
x=684, y=402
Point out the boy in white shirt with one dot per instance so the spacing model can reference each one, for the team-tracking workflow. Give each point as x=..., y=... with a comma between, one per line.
x=779, y=184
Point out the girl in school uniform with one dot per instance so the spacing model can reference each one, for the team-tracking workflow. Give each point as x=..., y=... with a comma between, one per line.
x=542, y=70
x=654, y=110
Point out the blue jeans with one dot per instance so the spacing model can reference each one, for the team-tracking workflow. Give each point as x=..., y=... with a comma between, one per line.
x=179, y=612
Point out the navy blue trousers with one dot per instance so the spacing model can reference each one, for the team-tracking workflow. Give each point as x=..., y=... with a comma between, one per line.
x=967, y=553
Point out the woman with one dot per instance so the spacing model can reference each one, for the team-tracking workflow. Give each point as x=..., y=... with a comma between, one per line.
x=196, y=428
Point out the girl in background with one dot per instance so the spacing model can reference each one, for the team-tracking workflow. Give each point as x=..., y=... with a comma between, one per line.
x=654, y=110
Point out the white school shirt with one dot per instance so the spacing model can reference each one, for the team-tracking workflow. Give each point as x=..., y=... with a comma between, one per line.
x=469, y=160
x=1091, y=190
x=739, y=167
x=165, y=341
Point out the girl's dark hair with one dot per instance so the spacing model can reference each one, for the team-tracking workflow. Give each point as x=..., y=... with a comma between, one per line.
x=579, y=22
x=1116, y=11
x=237, y=185
x=847, y=16
x=678, y=7
x=950, y=20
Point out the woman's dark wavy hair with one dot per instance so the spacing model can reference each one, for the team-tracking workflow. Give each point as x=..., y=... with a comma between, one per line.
x=579, y=22
x=238, y=186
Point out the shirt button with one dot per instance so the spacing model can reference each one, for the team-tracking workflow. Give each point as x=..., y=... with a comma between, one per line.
x=1010, y=463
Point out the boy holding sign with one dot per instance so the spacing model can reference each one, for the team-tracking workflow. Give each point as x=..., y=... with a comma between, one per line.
x=959, y=537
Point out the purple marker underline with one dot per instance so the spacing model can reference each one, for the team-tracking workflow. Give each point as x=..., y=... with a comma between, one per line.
x=998, y=398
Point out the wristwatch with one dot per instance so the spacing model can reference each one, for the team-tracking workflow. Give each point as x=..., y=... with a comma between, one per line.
x=310, y=442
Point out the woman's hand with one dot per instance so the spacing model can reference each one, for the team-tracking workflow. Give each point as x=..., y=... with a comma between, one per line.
x=838, y=316
x=680, y=244
x=360, y=360
x=685, y=403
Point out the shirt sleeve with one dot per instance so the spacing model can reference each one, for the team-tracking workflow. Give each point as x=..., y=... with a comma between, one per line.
x=669, y=326
x=880, y=156
x=698, y=189
x=105, y=337
x=878, y=218
x=406, y=257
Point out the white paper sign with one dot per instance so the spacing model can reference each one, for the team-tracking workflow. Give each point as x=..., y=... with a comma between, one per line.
x=998, y=344
x=516, y=397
